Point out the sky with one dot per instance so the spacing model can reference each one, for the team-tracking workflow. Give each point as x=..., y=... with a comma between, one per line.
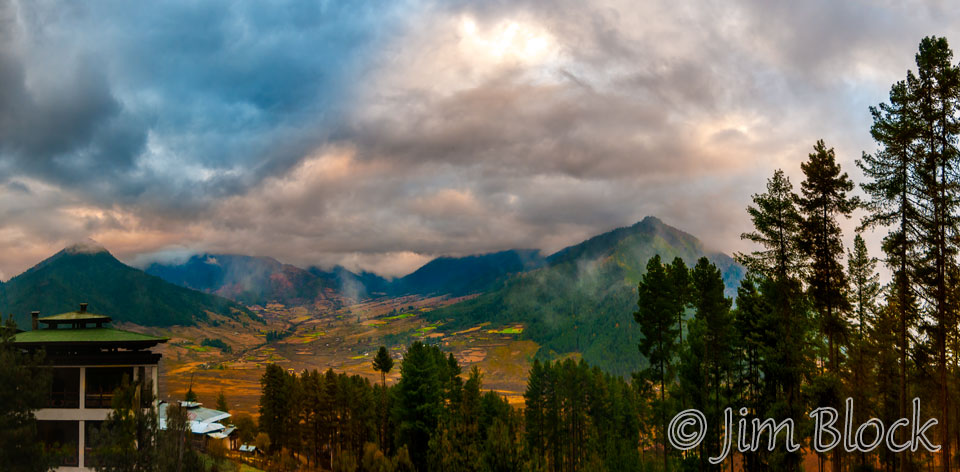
x=380, y=134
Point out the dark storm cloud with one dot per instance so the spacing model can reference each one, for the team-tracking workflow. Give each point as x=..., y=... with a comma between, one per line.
x=381, y=133
x=171, y=104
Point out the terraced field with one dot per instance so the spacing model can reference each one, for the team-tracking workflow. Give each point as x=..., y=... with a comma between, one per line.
x=344, y=340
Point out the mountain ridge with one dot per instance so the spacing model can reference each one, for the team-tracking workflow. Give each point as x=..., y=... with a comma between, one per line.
x=583, y=300
x=263, y=279
x=90, y=274
x=579, y=299
x=260, y=279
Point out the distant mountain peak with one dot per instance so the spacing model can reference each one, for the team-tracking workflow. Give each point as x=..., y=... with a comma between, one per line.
x=602, y=245
x=86, y=272
x=86, y=246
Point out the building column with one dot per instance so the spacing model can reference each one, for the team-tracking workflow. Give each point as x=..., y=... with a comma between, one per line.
x=83, y=387
x=81, y=444
x=156, y=383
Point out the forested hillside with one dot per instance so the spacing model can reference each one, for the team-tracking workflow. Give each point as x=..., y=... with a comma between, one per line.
x=583, y=300
x=87, y=273
x=458, y=276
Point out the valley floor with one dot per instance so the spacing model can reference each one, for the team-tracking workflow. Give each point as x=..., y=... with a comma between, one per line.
x=322, y=338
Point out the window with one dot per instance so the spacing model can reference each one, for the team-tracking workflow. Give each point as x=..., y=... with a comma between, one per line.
x=102, y=382
x=65, y=389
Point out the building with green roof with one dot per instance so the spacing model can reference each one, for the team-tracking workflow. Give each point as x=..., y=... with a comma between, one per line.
x=89, y=360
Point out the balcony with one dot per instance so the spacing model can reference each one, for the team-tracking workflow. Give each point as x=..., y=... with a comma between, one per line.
x=69, y=399
x=98, y=400
x=65, y=388
x=101, y=382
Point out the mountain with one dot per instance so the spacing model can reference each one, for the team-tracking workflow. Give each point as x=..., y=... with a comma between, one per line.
x=465, y=275
x=88, y=273
x=260, y=280
x=583, y=299
x=250, y=280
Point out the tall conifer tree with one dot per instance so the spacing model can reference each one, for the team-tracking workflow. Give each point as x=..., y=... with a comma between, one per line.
x=823, y=198
x=935, y=92
x=656, y=315
x=709, y=350
x=864, y=290
x=776, y=223
x=892, y=203
x=785, y=318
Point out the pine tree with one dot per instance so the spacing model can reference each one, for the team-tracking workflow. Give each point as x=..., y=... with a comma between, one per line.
x=656, y=315
x=751, y=337
x=419, y=399
x=864, y=290
x=935, y=94
x=23, y=387
x=785, y=318
x=275, y=401
x=712, y=332
x=776, y=224
x=885, y=337
x=678, y=277
x=534, y=414
x=382, y=363
x=175, y=451
x=127, y=439
x=222, y=402
x=823, y=198
x=892, y=188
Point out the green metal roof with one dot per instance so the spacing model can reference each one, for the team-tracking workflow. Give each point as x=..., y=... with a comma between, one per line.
x=84, y=335
x=75, y=316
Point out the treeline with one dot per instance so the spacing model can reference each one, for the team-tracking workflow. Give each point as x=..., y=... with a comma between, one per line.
x=217, y=343
x=812, y=324
x=276, y=334
x=579, y=418
x=436, y=418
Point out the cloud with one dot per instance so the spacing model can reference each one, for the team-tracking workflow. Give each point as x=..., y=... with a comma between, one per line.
x=174, y=105
x=378, y=134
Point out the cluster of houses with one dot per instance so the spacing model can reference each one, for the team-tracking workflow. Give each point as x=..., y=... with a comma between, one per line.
x=89, y=360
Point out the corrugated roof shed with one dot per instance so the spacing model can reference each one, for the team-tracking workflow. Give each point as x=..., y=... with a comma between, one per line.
x=201, y=420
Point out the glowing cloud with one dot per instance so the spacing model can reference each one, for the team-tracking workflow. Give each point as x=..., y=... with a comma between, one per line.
x=513, y=41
